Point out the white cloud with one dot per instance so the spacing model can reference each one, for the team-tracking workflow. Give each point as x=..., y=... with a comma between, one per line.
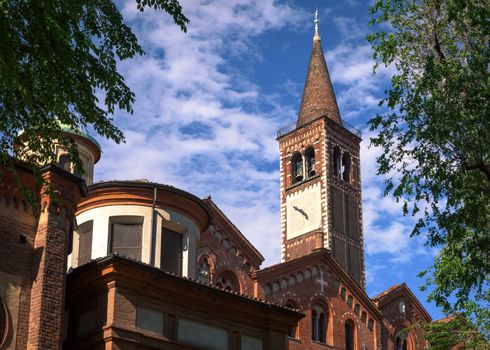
x=195, y=124
x=358, y=90
x=386, y=230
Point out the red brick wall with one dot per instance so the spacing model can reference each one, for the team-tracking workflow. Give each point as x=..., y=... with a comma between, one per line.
x=16, y=223
x=341, y=218
x=33, y=248
x=299, y=283
x=223, y=254
x=312, y=135
x=396, y=320
x=49, y=260
x=116, y=286
x=345, y=210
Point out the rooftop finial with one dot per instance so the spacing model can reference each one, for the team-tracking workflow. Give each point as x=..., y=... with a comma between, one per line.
x=317, y=36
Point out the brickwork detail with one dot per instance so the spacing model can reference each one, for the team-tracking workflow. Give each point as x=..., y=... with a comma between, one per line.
x=227, y=251
x=33, y=247
x=315, y=280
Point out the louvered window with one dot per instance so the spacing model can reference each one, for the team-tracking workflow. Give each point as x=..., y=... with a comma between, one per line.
x=85, y=242
x=126, y=234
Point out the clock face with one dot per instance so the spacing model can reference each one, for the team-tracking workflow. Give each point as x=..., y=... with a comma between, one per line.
x=303, y=211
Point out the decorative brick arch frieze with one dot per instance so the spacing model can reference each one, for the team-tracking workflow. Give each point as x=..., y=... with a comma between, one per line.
x=356, y=317
x=63, y=213
x=15, y=202
x=308, y=273
x=349, y=315
x=231, y=248
x=289, y=296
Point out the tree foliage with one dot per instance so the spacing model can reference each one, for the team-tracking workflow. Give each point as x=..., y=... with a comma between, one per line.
x=435, y=137
x=57, y=58
x=452, y=331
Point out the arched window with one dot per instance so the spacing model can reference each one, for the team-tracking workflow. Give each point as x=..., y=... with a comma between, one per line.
x=349, y=301
x=357, y=309
x=318, y=324
x=342, y=293
x=346, y=167
x=310, y=162
x=349, y=335
x=64, y=162
x=401, y=341
x=204, y=271
x=297, y=163
x=337, y=163
x=293, y=332
x=228, y=281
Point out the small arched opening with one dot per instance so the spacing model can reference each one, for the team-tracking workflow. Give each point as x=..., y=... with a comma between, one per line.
x=402, y=341
x=343, y=293
x=204, y=270
x=346, y=167
x=310, y=162
x=297, y=167
x=349, y=301
x=318, y=324
x=228, y=281
x=350, y=330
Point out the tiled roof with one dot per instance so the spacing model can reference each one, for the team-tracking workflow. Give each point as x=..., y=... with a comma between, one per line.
x=114, y=256
x=318, y=95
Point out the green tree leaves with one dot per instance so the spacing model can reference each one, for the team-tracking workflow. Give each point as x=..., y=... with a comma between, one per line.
x=435, y=137
x=57, y=58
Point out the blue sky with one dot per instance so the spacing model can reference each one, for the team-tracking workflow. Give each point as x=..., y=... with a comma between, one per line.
x=209, y=102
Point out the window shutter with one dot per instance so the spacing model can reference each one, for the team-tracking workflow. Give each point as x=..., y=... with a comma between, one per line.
x=85, y=243
x=126, y=239
x=171, y=260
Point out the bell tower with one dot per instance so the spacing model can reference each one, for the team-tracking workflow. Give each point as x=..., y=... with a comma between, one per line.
x=320, y=176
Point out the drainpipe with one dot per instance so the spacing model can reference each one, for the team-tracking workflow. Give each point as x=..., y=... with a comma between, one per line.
x=153, y=227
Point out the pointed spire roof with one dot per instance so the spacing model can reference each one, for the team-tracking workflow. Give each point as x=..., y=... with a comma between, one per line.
x=318, y=95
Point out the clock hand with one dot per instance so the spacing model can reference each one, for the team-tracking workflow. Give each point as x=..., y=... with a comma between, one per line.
x=301, y=211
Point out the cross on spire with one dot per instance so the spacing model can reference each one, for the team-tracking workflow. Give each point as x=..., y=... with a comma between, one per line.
x=316, y=36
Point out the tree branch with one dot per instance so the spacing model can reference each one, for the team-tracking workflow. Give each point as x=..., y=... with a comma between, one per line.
x=484, y=168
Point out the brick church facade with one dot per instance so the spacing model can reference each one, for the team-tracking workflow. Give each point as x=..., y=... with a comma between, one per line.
x=151, y=266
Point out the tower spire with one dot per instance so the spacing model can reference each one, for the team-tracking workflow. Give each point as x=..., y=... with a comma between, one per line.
x=318, y=95
x=316, y=36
